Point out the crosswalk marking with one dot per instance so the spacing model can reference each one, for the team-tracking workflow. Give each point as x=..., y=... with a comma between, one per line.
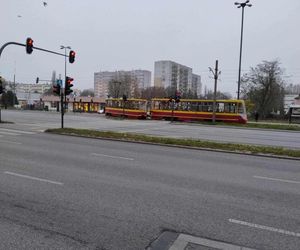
x=14, y=131
x=6, y=133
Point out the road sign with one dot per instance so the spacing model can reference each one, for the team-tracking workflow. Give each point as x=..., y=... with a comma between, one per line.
x=59, y=82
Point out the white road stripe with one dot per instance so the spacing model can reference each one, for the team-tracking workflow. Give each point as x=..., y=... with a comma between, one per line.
x=272, y=229
x=275, y=179
x=8, y=133
x=11, y=142
x=113, y=156
x=33, y=178
x=16, y=131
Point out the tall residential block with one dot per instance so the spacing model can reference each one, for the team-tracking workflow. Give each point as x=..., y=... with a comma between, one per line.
x=102, y=79
x=177, y=76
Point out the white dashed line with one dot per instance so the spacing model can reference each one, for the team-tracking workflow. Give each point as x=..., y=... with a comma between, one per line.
x=272, y=229
x=275, y=179
x=113, y=156
x=33, y=178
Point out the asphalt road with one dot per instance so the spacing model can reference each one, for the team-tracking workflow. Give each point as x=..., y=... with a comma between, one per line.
x=59, y=192
x=39, y=121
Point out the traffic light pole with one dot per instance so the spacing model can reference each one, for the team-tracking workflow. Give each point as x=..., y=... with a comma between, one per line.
x=48, y=51
x=24, y=45
x=62, y=107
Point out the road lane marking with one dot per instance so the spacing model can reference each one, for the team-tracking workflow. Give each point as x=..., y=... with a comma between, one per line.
x=16, y=131
x=113, y=156
x=8, y=133
x=275, y=179
x=33, y=178
x=272, y=229
x=12, y=142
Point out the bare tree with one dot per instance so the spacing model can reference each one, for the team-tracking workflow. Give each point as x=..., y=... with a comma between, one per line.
x=219, y=95
x=153, y=92
x=87, y=92
x=121, y=84
x=264, y=87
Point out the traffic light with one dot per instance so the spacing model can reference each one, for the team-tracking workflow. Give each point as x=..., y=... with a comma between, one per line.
x=71, y=56
x=56, y=89
x=29, y=45
x=1, y=85
x=68, y=85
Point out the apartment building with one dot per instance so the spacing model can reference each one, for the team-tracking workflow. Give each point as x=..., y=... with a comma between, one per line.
x=196, y=84
x=102, y=79
x=176, y=76
x=30, y=88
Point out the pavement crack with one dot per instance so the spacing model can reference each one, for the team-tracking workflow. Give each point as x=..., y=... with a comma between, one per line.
x=46, y=230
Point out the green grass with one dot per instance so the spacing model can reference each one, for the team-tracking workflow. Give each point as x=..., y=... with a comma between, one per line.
x=252, y=149
x=262, y=125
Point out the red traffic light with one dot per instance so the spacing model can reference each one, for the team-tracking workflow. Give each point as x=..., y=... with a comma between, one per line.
x=29, y=45
x=72, y=56
x=69, y=85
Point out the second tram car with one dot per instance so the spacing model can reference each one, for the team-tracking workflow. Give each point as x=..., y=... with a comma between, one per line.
x=198, y=110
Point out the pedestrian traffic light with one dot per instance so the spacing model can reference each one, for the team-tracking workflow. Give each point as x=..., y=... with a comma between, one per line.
x=29, y=45
x=71, y=56
x=56, y=89
x=68, y=85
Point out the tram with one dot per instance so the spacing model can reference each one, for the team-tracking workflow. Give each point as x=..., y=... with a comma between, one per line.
x=129, y=108
x=183, y=110
x=198, y=110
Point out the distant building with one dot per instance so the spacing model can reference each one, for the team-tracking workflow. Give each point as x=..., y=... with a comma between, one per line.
x=31, y=88
x=196, y=84
x=289, y=100
x=102, y=79
x=177, y=76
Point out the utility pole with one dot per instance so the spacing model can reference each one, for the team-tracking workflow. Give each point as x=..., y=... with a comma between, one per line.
x=216, y=74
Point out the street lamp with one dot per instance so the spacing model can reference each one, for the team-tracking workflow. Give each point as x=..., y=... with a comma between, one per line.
x=241, y=5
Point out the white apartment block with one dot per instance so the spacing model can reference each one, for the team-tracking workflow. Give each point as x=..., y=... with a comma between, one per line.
x=31, y=88
x=176, y=76
x=102, y=79
x=196, y=84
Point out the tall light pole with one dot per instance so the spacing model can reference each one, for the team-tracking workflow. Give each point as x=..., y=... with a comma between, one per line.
x=61, y=94
x=241, y=5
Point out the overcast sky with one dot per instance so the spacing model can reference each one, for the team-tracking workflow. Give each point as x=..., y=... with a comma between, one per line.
x=132, y=34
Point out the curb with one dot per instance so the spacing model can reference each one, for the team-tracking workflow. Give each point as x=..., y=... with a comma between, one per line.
x=185, y=147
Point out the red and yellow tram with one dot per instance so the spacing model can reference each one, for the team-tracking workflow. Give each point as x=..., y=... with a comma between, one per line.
x=184, y=110
x=198, y=110
x=131, y=108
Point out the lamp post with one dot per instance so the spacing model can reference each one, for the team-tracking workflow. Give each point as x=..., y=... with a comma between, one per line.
x=241, y=5
x=61, y=94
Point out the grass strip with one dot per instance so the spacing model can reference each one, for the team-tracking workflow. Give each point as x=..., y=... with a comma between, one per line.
x=252, y=149
x=291, y=127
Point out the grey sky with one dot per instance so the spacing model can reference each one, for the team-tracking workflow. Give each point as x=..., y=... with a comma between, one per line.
x=132, y=34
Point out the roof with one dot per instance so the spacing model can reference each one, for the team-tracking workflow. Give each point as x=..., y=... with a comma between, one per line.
x=55, y=98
